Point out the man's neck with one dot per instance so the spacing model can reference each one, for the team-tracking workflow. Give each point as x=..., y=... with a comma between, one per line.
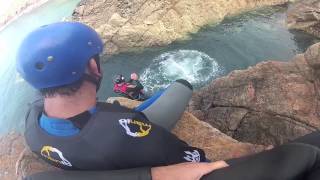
x=62, y=106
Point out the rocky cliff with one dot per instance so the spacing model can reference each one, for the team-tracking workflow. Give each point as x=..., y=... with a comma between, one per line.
x=126, y=24
x=270, y=103
x=305, y=15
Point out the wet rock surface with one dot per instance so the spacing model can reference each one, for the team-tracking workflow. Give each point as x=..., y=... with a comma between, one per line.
x=270, y=103
x=125, y=25
x=305, y=15
x=17, y=160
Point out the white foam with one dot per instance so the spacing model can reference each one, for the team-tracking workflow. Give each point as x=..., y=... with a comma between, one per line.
x=194, y=66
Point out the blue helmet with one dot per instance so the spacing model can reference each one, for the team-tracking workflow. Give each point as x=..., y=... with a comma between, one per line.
x=57, y=54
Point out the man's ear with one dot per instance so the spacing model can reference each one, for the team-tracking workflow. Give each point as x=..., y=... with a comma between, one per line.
x=93, y=68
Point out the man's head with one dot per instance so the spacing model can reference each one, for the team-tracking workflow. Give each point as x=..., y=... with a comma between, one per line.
x=58, y=58
x=134, y=76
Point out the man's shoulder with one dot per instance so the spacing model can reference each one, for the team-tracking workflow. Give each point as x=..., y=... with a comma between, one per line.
x=113, y=107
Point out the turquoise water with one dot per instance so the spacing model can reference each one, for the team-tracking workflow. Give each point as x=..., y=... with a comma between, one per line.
x=236, y=43
x=15, y=93
x=215, y=51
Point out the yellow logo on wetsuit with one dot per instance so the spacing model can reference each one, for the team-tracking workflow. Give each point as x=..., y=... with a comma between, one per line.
x=144, y=129
x=46, y=152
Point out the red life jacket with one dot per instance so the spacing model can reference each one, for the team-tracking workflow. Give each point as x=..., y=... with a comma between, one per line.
x=120, y=88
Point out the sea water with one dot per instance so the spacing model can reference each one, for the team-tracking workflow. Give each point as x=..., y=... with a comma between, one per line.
x=214, y=51
x=14, y=92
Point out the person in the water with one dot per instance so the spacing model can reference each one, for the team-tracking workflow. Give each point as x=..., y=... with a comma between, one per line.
x=131, y=89
x=136, y=88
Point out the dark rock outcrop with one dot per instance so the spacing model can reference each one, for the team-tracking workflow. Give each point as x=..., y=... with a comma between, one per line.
x=270, y=103
x=305, y=15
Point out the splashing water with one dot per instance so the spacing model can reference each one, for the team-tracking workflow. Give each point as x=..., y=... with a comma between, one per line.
x=191, y=65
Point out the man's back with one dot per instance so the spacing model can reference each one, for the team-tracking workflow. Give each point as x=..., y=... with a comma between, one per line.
x=114, y=137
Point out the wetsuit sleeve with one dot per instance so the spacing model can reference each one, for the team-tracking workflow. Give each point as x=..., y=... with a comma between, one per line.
x=137, y=84
x=127, y=174
x=294, y=161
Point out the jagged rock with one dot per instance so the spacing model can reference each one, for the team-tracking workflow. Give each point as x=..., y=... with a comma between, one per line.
x=125, y=25
x=10, y=148
x=17, y=160
x=270, y=103
x=305, y=15
x=217, y=145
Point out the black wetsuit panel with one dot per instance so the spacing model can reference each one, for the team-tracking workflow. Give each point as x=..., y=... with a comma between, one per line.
x=134, y=92
x=312, y=139
x=114, y=138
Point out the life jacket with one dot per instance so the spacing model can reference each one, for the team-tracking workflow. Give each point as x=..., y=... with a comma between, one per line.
x=120, y=88
x=115, y=137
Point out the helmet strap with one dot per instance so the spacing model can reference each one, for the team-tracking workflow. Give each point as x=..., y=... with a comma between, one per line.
x=93, y=79
x=97, y=59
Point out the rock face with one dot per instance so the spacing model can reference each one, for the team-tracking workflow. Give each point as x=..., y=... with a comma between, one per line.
x=305, y=15
x=218, y=146
x=270, y=103
x=10, y=148
x=16, y=159
x=127, y=24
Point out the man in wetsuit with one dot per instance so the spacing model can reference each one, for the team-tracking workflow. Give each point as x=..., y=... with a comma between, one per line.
x=297, y=160
x=135, y=88
x=69, y=128
x=72, y=131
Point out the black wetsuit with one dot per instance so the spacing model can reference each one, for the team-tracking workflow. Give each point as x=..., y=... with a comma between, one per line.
x=135, y=92
x=298, y=160
x=114, y=137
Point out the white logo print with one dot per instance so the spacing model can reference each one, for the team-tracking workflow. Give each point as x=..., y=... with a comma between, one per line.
x=144, y=129
x=192, y=156
x=46, y=152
